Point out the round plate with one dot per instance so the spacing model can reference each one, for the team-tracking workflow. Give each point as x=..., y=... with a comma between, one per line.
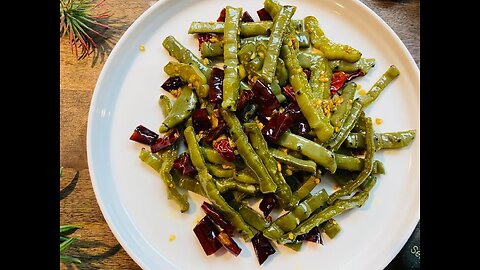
x=132, y=197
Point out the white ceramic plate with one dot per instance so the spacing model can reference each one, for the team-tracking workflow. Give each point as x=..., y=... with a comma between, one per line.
x=132, y=197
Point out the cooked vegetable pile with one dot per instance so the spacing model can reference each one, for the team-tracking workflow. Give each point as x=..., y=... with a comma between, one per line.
x=282, y=114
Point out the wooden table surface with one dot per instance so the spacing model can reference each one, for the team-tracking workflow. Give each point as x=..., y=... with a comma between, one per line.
x=97, y=247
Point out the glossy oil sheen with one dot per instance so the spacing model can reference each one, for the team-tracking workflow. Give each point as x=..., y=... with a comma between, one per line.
x=133, y=198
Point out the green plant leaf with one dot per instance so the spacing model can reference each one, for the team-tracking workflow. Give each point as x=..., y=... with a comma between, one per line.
x=69, y=259
x=68, y=229
x=67, y=244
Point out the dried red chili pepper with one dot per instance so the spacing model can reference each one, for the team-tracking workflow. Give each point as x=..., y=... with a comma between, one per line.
x=244, y=98
x=143, y=135
x=218, y=218
x=183, y=164
x=265, y=98
x=221, y=17
x=268, y=203
x=202, y=38
x=169, y=139
x=307, y=72
x=215, y=92
x=246, y=17
x=314, y=235
x=340, y=78
x=262, y=247
x=207, y=233
x=229, y=243
x=200, y=121
x=276, y=126
x=264, y=15
x=172, y=83
x=215, y=132
x=224, y=149
x=289, y=93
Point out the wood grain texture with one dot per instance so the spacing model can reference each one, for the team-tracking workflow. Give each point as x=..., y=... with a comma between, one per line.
x=97, y=247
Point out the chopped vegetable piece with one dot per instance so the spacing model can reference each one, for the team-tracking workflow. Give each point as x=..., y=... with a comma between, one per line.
x=331, y=228
x=301, y=128
x=314, y=235
x=169, y=139
x=207, y=233
x=203, y=38
x=265, y=98
x=215, y=94
x=289, y=93
x=294, y=111
x=262, y=247
x=276, y=126
x=200, y=121
x=181, y=109
x=263, y=15
x=224, y=149
x=172, y=83
x=215, y=132
x=143, y=135
x=244, y=98
x=246, y=17
x=183, y=164
x=268, y=203
x=340, y=78
x=307, y=72
x=229, y=243
x=221, y=17
x=218, y=218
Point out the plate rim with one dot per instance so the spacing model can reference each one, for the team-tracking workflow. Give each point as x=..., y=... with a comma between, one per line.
x=91, y=118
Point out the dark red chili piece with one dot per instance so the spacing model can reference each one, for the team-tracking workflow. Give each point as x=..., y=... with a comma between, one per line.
x=172, y=83
x=265, y=98
x=276, y=126
x=229, y=243
x=262, y=118
x=340, y=78
x=215, y=132
x=301, y=128
x=246, y=17
x=215, y=92
x=314, y=235
x=289, y=93
x=169, y=139
x=183, y=164
x=263, y=15
x=262, y=247
x=221, y=17
x=307, y=72
x=354, y=75
x=207, y=233
x=224, y=149
x=294, y=112
x=143, y=135
x=244, y=98
x=268, y=203
x=202, y=38
x=200, y=121
x=218, y=218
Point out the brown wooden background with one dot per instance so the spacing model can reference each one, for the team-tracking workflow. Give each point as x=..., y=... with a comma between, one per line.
x=97, y=247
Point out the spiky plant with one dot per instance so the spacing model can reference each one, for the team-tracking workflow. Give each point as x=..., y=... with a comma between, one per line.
x=78, y=23
x=65, y=240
